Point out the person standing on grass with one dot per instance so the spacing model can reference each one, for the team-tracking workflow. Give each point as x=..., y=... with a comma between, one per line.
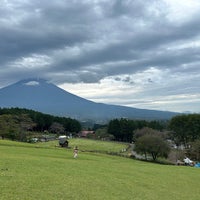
x=75, y=152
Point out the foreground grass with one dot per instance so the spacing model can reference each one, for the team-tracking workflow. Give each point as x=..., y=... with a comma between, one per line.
x=37, y=172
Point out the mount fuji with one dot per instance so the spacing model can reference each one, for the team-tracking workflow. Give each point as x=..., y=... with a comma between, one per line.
x=42, y=96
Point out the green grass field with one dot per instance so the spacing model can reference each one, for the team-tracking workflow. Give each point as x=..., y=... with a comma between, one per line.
x=44, y=171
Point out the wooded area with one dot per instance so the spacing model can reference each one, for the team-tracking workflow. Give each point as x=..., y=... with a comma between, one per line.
x=14, y=122
x=182, y=130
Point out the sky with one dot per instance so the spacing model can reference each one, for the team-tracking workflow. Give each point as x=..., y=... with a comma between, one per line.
x=137, y=53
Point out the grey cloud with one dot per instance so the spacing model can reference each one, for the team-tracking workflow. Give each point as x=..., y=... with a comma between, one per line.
x=87, y=41
x=49, y=30
x=118, y=79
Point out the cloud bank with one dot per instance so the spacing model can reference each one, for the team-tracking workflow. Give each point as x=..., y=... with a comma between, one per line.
x=143, y=54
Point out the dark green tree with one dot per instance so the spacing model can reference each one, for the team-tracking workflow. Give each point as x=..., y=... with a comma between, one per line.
x=122, y=129
x=126, y=130
x=44, y=121
x=114, y=129
x=185, y=128
x=8, y=126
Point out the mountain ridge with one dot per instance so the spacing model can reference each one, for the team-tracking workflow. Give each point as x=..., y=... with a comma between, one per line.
x=43, y=96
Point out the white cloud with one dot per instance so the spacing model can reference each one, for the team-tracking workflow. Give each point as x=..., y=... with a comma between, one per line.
x=31, y=62
x=180, y=11
x=150, y=89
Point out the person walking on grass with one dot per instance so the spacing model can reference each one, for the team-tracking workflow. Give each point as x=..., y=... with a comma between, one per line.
x=75, y=152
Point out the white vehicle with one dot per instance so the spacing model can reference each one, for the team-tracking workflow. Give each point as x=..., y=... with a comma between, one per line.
x=187, y=161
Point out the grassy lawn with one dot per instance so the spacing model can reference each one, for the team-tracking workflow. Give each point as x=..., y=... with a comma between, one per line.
x=89, y=145
x=44, y=171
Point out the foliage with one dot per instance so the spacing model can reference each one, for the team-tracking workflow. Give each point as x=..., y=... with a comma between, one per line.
x=103, y=134
x=186, y=128
x=8, y=126
x=153, y=144
x=144, y=131
x=99, y=126
x=56, y=128
x=15, y=126
x=27, y=172
x=44, y=121
x=123, y=129
x=194, y=150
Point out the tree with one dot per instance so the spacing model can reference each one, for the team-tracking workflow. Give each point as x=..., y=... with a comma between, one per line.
x=43, y=121
x=102, y=134
x=8, y=126
x=24, y=123
x=57, y=128
x=121, y=129
x=114, y=129
x=194, y=150
x=185, y=128
x=157, y=125
x=126, y=130
x=153, y=145
x=144, y=131
x=15, y=126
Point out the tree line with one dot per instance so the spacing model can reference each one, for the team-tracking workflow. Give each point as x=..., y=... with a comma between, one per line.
x=150, y=136
x=15, y=121
x=182, y=129
x=123, y=129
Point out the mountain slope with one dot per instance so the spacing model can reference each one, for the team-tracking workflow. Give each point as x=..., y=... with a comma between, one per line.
x=45, y=97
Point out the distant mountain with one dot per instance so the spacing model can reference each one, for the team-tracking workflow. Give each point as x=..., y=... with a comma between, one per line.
x=39, y=95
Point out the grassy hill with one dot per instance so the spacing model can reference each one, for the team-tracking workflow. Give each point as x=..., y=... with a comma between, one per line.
x=44, y=171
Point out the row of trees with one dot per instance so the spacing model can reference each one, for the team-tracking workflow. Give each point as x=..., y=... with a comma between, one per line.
x=123, y=129
x=183, y=129
x=44, y=121
x=150, y=136
x=14, y=123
